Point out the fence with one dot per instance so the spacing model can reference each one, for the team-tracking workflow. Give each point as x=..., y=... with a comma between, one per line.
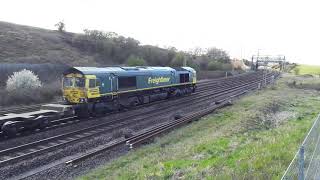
x=306, y=162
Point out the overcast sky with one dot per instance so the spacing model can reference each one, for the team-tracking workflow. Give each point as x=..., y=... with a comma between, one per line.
x=241, y=27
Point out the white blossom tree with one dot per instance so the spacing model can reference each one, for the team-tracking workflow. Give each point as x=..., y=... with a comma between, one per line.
x=23, y=80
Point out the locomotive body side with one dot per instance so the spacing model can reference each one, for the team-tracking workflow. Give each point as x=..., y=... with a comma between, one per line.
x=112, y=88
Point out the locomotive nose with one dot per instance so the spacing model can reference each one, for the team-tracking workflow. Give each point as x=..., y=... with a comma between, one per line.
x=74, y=95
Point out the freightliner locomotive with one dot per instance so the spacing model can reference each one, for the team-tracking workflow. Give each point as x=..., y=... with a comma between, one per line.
x=96, y=90
x=91, y=91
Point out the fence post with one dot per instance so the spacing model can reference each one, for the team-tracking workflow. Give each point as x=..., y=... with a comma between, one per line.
x=301, y=163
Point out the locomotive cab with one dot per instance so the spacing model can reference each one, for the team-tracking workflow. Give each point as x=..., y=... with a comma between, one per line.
x=78, y=88
x=74, y=88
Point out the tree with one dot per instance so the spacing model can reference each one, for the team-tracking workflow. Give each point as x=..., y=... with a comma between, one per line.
x=218, y=54
x=23, y=80
x=135, y=61
x=214, y=65
x=178, y=60
x=197, y=52
x=61, y=26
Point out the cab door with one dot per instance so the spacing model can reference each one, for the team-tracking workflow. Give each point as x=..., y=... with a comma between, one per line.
x=114, y=83
x=92, y=85
x=173, y=78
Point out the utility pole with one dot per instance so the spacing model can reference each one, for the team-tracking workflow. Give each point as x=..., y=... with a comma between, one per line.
x=252, y=65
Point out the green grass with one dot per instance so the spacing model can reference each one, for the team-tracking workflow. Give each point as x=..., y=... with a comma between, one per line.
x=256, y=138
x=308, y=69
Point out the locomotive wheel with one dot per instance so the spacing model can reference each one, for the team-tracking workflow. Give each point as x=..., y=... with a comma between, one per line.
x=82, y=112
x=134, y=103
x=10, y=131
x=45, y=123
x=177, y=116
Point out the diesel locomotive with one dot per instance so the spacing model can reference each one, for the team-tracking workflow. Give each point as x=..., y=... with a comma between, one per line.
x=93, y=90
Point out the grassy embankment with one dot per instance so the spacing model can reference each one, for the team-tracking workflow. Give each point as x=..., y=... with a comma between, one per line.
x=256, y=138
x=308, y=69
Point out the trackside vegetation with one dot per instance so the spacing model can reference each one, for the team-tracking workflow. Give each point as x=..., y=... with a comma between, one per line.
x=307, y=69
x=255, y=138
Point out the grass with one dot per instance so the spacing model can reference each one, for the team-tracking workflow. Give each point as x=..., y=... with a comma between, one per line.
x=308, y=69
x=305, y=82
x=256, y=138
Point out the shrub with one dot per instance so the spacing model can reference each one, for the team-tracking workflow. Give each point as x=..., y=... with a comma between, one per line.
x=23, y=80
x=296, y=71
x=193, y=65
x=135, y=61
x=226, y=67
x=46, y=93
x=177, y=60
x=214, y=65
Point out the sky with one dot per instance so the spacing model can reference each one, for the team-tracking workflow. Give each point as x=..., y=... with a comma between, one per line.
x=241, y=27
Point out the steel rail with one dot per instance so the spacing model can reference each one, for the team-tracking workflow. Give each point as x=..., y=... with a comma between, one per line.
x=86, y=130
x=72, y=120
x=163, y=128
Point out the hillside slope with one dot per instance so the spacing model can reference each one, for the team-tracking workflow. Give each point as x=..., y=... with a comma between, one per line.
x=24, y=44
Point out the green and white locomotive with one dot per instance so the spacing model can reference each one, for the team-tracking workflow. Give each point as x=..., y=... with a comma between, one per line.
x=96, y=90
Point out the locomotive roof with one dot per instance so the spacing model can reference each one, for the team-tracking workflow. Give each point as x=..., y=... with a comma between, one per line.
x=98, y=70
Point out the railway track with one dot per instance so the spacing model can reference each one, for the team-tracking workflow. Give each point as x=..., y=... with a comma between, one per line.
x=144, y=136
x=23, y=109
x=203, y=86
x=44, y=145
x=225, y=90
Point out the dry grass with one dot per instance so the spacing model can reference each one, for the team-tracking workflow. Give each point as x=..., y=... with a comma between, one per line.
x=305, y=82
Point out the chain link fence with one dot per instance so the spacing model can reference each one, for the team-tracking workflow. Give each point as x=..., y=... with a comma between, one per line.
x=306, y=162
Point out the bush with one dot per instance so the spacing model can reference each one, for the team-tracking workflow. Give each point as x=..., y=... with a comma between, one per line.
x=23, y=80
x=7, y=69
x=213, y=66
x=226, y=67
x=193, y=65
x=177, y=60
x=46, y=93
x=135, y=61
x=296, y=71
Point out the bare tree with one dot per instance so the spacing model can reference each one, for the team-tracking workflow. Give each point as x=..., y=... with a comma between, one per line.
x=218, y=54
x=61, y=26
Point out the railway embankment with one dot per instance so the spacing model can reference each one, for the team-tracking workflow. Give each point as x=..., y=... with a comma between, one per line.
x=256, y=137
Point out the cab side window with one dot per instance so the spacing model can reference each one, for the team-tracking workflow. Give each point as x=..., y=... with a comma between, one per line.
x=92, y=83
x=98, y=83
x=184, y=77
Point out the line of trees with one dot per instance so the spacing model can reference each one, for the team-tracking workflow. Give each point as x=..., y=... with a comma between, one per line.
x=111, y=47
